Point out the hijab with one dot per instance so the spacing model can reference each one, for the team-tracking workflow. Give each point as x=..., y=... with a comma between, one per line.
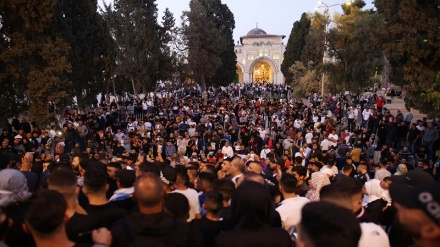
x=399, y=170
x=318, y=180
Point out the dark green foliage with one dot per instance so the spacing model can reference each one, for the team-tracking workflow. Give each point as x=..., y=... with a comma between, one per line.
x=413, y=46
x=295, y=45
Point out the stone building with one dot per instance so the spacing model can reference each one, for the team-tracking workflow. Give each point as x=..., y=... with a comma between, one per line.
x=259, y=57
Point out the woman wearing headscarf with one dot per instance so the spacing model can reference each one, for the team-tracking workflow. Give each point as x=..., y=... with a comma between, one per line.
x=401, y=169
x=317, y=181
x=252, y=215
x=13, y=195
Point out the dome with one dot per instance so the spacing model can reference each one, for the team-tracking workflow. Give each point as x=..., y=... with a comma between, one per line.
x=256, y=31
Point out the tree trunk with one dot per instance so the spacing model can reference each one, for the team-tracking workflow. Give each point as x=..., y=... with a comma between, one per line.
x=135, y=94
x=386, y=70
x=202, y=82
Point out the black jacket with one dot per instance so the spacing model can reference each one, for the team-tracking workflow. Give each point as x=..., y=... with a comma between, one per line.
x=160, y=229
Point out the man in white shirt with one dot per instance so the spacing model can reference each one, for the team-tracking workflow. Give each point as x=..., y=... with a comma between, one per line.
x=290, y=207
x=366, y=115
x=264, y=152
x=297, y=124
x=333, y=138
x=227, y=150
x=191, y=194
x=325, y=144
x=309, y=136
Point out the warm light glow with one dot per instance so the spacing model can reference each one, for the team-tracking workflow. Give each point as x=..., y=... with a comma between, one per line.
x=348, y=3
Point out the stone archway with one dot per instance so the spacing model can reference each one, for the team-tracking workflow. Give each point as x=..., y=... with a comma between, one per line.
x=238, y=74
x=263, y=71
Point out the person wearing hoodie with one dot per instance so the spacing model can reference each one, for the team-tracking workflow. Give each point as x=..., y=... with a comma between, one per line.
x=150, y=225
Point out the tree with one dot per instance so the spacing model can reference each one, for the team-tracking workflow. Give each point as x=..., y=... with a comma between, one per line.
x=295, y=45
x=225, y=23
x=167, y=60
x=34, y=56
x=313, y=49
x=305, y=79
x=354, y=46
x=133, y=24
x=83, y=29
x=413, y=46
x=205, y=43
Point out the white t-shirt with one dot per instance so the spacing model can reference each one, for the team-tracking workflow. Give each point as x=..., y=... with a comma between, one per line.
x=193, y=199
x=290, y=212
x=309, y=137
x=228, y=151
x=325, y=144
x=334, y=136
x=373, y=235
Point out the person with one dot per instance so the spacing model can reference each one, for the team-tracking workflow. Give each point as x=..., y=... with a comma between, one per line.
x=64, y=181
x=13, y=197
x=418, y=211
x=362, y=175
x=290, y=208
x=193, y=198
x=301, y=174
x=377, y=197
x=211, y=225
x=47, y=226
x=326, y=224
x=383, y=172
x=252, y=214
x=236, y=169
x=317, y=181
x=150, y=225
x=122, y=197
x=401, y=169
x=339, y=193
x=95, y=186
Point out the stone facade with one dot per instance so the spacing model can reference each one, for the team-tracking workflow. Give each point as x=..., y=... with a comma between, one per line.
x=259, y=57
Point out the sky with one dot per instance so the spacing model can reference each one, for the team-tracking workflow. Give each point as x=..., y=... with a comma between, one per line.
x=273, y=16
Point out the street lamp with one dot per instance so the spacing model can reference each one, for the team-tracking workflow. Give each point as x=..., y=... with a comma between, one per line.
x=326, y=19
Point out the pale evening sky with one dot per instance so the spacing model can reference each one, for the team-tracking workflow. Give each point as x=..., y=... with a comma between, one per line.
x=273, y=16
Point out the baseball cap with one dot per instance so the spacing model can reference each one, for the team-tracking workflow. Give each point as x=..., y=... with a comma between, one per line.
x=425, y=197
x=413, y=178
x=126, y=177
x=18, y=137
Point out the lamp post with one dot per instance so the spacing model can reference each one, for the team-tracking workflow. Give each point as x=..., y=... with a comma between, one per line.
x=326, y=19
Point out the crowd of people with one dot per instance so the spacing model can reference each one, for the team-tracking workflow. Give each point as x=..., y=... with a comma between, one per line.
x=235, y=166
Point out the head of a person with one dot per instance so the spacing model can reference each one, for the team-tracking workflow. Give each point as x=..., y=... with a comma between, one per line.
x=148, y=191
x=418, y=210
x=319, y=227
x=95, y=179
x=255, y=166
x=288, y=183
x=177, y=205
x=226, y=187
x=252, y=206
x=237, y=166
x=345, y=192
x=64, y=181
x=13, y=187
x=213, y=201
x=300, y=173
x=385, y=183
x=45, y=214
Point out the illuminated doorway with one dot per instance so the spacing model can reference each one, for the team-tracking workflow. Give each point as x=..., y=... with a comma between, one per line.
x=262, y=73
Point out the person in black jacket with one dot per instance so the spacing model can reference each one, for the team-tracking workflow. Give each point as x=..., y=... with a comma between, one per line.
x=150, y=226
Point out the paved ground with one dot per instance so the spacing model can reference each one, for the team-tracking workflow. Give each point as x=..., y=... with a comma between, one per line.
x=399, y=104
